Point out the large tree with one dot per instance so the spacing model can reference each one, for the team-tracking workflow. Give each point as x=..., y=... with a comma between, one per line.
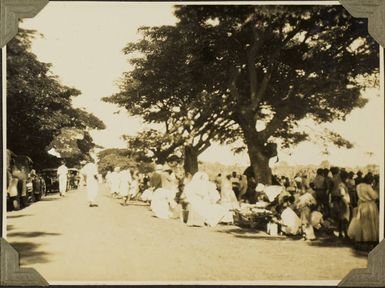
x=109, y=159
x=247, y=64
x=163, y=90
x=39, y=106
x=153, y=145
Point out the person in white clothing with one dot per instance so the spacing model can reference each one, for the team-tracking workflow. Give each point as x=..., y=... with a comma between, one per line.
x=114, y=179
x=91, y=172
x=62, y=173
x=125, y=181
x=134, y=187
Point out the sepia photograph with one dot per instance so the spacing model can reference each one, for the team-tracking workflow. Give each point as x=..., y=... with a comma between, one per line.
x=193, y=143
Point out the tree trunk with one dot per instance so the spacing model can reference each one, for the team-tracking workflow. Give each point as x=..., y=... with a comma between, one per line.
x=260, y=164
x=259, y=158
x=190, y=160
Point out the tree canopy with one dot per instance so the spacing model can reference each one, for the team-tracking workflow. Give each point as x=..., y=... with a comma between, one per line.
x=38, y=106
x=232, y=67
x=109, y=159
x=153, y=145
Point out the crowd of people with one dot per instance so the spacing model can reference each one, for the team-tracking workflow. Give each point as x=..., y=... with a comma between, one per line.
x=347, y=200
x=335, y=199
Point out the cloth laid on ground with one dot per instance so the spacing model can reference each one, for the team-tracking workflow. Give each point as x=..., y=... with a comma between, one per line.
x=272, y=191
x=291, y=222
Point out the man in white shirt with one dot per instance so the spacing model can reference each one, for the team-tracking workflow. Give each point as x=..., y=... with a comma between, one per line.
x=62, y=172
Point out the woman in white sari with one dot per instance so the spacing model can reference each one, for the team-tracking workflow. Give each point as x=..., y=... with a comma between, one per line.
x=202, y=198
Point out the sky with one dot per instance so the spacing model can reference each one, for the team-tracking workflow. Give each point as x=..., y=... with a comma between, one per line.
x=84, y=42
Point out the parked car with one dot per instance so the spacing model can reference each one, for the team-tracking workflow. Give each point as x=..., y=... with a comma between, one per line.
x=21, y=186
x=51, y=180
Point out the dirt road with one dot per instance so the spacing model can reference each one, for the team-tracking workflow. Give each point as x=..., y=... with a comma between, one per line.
x=65, y=240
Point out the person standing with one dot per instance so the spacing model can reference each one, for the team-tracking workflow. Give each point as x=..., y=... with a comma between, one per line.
x=62, y=173
x=364, y=227
x=343, y=206
x=115, y=182
x=359, y=179
x=235, y=183
x=125, y=181
x=228, y=199
x=250, y=195
x=134, y=187
x=320, y=188
x=91, y=172
x=336, y=199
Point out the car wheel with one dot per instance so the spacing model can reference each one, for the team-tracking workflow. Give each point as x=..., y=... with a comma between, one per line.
x=16, y=203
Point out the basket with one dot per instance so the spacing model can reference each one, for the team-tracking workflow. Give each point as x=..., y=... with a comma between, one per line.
x=251, y=220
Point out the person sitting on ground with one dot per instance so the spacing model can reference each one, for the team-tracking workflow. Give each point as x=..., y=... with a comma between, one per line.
x=202, y=198
x=305, y=204
x=228, y=200
x=317, y=219
x=163, y=203
x=290, y=222
x=155, y=182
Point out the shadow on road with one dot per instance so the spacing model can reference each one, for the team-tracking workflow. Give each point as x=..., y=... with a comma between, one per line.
x=338, y=243
x=32, y=234
x=245, y=233
x=134, y=203
x=9, y=227
x=18, y=216
x=29, y=253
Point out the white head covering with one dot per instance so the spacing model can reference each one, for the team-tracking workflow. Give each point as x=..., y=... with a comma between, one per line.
x=199, y=185
x=200, y=176
x=298, y=179
x=159, y=167
x=260, y=187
